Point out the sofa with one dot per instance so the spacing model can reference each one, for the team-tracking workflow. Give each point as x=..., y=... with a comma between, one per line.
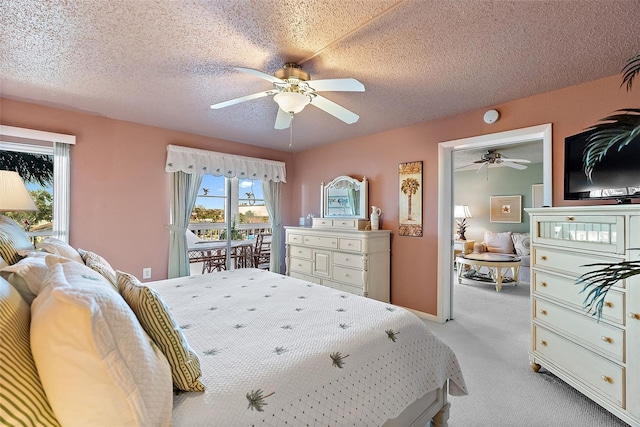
x=507, y=242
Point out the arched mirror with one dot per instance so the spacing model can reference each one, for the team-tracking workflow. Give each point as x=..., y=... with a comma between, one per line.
x=344, y=197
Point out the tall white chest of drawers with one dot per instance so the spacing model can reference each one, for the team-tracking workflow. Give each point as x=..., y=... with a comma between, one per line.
x=599, y=358
x=354, y=261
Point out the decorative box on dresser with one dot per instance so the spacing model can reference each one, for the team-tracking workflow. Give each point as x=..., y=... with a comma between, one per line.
x=341, y=256
x=600, y=358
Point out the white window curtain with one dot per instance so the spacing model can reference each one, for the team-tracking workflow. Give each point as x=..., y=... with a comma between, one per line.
x=193, y=161
x=272, y=191
x=184, y=190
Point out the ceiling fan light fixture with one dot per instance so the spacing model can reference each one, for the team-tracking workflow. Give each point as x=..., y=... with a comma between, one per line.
x=291, y=102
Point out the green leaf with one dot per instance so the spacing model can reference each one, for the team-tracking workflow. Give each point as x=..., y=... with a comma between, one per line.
x=630, y=71
x=617, y=130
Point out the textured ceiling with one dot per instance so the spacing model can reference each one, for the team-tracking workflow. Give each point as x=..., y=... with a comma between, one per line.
x=163, y=62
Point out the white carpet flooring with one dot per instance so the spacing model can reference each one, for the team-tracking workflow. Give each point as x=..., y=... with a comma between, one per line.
x=490, y=335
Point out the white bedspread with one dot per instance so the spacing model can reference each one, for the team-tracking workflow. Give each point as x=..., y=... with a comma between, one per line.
x=280, y=351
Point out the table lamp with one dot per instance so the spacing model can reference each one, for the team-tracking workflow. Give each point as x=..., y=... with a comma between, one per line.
x=461, y=213
x=14, y=196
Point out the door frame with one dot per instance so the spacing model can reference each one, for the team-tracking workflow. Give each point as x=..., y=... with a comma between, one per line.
x=445, y=196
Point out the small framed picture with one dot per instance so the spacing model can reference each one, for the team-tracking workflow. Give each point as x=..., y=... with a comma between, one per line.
x=505, y=209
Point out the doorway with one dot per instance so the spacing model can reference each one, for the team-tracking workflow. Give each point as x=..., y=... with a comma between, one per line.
x=445, y=197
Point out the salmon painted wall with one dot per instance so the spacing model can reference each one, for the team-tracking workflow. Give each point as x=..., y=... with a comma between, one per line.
x=414, y=259
x=119, y=190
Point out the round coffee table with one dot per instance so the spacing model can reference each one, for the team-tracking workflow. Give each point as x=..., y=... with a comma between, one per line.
x=498, y=265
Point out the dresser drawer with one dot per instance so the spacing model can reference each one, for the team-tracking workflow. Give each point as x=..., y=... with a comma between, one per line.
x=322, y=222
x=356, y=290
x=300, y=252
x=571, y=263
x=566, y=290
x=321, y=241
x=295, y=238
x=346, y=223
x=608, y=339
x=300, y=265
x=350, y=245
x=349, y=260
x=601, y=233
x=347, y=275
x=591, y=369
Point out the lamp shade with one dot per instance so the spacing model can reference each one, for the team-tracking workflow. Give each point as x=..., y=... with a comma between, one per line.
x=461, y=211
x=292, y=102
x=14, y=196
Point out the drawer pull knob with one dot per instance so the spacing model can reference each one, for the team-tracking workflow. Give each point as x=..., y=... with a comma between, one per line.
x=543, y=284
x=608, y=304
x=607, y=379
x=543, y=312
x=543, y=342
x=543, y=257
x=570, y=218
x=606, y=339
x=633, y=316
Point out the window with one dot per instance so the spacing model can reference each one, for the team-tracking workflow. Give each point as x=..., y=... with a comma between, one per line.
x=20, y=140
x=247, y=211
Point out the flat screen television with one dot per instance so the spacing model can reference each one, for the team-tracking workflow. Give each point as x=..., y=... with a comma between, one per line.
x=617, y=176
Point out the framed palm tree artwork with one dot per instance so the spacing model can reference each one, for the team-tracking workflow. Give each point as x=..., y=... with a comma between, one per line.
x=410, y=199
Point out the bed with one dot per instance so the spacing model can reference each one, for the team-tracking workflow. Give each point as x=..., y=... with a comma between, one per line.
x=267, y=350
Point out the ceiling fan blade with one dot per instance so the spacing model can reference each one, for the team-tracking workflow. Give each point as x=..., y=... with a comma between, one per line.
x=241, y=99
x=484, y=165
x=481, y=161
x=260, y=74
x=516, y=160
x=466, y=167
x=283, y=119
x=336, y=85
x=334, y=109
x=513, y=165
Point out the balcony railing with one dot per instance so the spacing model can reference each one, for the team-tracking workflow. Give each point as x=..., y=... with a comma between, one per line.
x=213, y=230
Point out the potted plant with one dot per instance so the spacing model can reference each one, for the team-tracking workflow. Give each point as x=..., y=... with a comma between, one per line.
x=617, y=130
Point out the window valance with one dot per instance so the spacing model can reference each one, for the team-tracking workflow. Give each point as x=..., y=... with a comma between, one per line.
x=193, y=160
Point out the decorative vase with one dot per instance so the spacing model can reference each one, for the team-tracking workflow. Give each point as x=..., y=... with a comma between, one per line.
x=375, y=217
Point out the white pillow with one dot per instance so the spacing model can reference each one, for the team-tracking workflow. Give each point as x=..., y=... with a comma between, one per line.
x=28, y=274
x=499, y=242
x=97, y=365
x=58, y=247
x=521, y=243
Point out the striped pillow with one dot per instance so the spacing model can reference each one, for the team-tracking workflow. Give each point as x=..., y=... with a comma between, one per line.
x=99, y=265
x=22, y=398
x=157, y=321
x=12, y=239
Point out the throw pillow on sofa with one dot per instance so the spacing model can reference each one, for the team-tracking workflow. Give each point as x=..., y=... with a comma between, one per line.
x=499, y=242
x=521, y=243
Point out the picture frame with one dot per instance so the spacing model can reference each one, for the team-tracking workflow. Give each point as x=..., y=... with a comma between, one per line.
x=410, y=199
x=505, y=209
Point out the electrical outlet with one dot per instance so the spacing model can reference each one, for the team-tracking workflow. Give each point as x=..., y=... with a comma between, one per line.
x=146, y=273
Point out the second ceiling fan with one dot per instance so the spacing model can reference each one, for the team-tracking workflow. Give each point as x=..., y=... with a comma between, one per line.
x=492, y=157
x=293, y=90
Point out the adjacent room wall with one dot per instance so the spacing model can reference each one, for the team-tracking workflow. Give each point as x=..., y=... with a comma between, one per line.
x=475, y=190
x=119, y=189
x=414, y=259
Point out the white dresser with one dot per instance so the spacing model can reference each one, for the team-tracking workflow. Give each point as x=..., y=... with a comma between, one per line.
x=599, y=358
x=354, y=261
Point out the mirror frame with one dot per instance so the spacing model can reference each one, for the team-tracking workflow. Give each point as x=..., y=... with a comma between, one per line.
x=344, y=181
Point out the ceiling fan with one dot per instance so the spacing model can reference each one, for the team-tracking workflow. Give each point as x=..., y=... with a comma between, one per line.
x=492, y=157
x=293, y=90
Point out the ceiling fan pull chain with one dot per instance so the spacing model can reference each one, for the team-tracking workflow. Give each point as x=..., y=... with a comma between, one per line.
x=291, y=132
